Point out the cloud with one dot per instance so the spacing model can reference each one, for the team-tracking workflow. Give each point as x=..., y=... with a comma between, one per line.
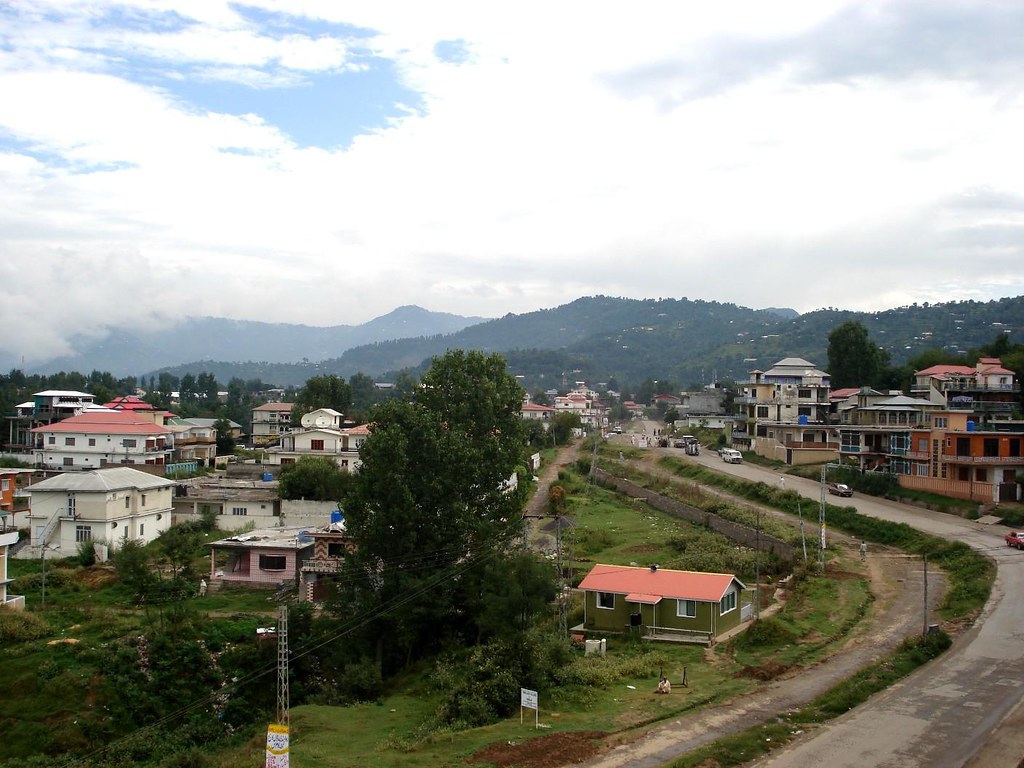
x=323, y=162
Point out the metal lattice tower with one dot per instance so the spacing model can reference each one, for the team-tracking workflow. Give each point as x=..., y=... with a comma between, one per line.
x=282, y=665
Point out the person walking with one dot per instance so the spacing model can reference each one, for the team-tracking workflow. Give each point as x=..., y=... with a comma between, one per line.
x=202, y=587
x=863, y=550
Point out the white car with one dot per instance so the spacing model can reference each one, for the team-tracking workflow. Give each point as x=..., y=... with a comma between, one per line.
x=731, y=456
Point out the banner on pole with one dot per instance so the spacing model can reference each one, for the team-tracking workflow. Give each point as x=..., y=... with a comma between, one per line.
x=277, y=746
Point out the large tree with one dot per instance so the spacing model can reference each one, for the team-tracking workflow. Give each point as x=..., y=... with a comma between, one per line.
x=432, y=500
x=853, y=359
x=329, y=391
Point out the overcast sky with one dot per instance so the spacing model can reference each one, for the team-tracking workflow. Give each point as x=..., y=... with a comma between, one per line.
x=324, y=162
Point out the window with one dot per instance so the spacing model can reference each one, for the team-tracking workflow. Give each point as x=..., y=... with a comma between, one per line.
x=686, y=608
x=69, y=441
x=68, y=461
x=129, y=442
x=142, y=502
x=762, y=411
x=142, y=530
x=52, y=440
x=239, y=511
x=727, y=603
x=803, y=394
x=5, y=484
x=127, y=502
x=83, y=533
x=922, y=445
x=316, y=445
x=803, y=410
x=272, y=562
x=941, y=422
x=92, y=441
x=606, y=600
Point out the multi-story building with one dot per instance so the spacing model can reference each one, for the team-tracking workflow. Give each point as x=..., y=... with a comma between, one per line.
x=44, y=408
x=97, y=438
x=951, y=456
x=103, y=506
x=988, y=391
x=593, y=414
x=321, y=434
x=8, y=538
x=269, y=422
x=787, y=413
x=875, y=428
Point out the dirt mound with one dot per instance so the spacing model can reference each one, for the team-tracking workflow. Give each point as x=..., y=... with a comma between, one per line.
x=96, y=576
x=768, y=671
x=549, y=751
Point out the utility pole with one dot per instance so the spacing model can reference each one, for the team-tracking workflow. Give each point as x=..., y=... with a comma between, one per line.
x=803, y=539
x=821, y=522
x=925, y=594
x=282, y=665
x=757, y=568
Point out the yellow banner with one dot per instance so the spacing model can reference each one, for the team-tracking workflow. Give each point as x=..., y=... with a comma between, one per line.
x=277, y=746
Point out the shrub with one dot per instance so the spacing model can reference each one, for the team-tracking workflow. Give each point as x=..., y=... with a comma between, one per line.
x=17, y=626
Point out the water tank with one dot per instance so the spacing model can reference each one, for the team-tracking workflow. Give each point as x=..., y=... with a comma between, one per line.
x=267, y=477
x=802, y=419
x=970, y=426
x=635, y=620
x=336, y=516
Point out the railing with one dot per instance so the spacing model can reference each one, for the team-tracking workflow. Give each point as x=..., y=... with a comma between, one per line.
x=817, y=446
x=51, y=526
x=953, y=459
x=693, y=635
x=321, y=566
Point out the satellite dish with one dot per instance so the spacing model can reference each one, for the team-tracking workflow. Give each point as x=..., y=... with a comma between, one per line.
x=307, y=420
x=323, y=421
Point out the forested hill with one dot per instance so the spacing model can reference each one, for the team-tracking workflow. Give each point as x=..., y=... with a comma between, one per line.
x=604, y=338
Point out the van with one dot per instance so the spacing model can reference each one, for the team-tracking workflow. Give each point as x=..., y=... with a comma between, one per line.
x=731, y=456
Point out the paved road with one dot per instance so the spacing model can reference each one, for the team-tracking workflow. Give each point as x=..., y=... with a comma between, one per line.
x=948, y=713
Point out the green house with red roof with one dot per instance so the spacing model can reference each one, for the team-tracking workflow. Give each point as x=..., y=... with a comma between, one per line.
x=661, y=603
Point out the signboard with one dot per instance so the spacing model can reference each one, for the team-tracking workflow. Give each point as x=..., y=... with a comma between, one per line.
x=277, y=746
x=528, y=700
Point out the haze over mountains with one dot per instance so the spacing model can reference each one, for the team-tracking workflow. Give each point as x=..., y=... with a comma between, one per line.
x=593, y=338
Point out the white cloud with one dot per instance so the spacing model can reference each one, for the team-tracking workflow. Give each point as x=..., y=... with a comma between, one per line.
x=802, y=154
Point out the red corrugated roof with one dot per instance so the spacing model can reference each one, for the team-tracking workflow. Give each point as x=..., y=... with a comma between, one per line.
x=106, y=422
x=664, y=582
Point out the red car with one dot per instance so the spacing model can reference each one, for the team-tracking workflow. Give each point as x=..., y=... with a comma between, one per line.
x=1015, y=539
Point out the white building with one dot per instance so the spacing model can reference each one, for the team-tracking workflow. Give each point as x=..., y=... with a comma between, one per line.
x=104, y=506
x=8, y=538
x=99, y=437
x=321, y=434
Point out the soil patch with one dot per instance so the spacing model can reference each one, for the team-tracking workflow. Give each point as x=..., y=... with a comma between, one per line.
x=550, y=751
x=767, y=671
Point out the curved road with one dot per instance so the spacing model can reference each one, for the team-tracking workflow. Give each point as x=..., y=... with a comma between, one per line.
x=949, y=712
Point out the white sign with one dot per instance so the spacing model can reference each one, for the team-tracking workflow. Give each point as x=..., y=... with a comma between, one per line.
x=528, y=698
x=277, y=746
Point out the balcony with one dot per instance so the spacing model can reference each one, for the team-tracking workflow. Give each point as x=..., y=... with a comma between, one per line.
x=829, y=446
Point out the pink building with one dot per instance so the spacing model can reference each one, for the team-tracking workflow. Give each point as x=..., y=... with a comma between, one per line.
x=269, y=557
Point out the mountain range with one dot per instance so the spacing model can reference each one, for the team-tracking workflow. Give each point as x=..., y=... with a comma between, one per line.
x=596, y=338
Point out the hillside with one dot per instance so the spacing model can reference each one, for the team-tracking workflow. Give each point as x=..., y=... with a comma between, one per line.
x=196, y=342
x=603, y=338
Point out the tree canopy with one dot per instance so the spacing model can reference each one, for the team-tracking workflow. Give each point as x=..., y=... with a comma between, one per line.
x=431, y=500
x=853, y=359
x=322, y=392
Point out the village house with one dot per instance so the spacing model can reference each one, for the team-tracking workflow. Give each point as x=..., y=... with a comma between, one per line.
x=662, y=604
x=265, y=557
x=104, y=506
x=330, y=546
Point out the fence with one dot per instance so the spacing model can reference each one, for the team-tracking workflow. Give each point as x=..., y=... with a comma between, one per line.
x=736, y=532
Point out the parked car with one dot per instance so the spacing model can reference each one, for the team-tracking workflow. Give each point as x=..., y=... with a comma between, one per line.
x=840, y=489
x=679, y=444
x=1015, y=539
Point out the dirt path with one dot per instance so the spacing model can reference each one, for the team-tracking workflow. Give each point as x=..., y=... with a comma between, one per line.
x=897, y=586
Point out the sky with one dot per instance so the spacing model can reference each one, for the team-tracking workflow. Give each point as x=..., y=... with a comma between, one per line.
x=323, y=162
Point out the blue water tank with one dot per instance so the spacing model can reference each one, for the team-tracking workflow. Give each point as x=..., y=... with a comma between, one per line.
x=970, y=426
x=336, y=516
x=802, y=420
x=267, y=477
